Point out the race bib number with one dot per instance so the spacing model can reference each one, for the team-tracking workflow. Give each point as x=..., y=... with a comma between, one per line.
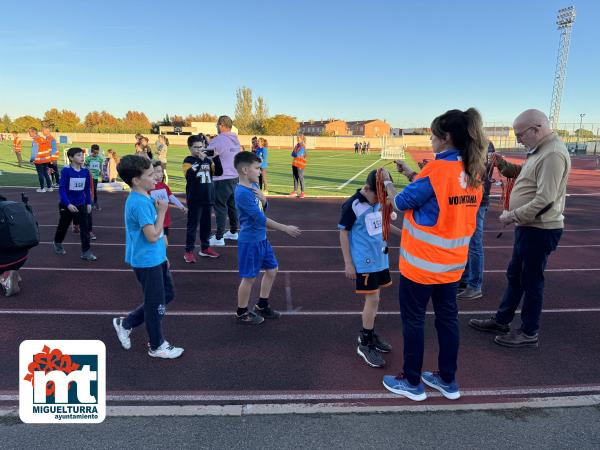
x=76, y=184
x=160, y=194
x=374, y=223
x=95, y=165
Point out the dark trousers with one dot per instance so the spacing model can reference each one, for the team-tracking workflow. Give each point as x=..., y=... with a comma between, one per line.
x=298, y=178
x=225, y=206
x=525, y=276
x=66, y=217
x=55, y=173
x=158, y=289
x=414, y=298
x=95, y=191
x=197, y=214
x=89, y=221
x=262, y=180
x=42, y=172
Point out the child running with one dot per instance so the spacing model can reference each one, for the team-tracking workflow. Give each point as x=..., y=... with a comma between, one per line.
x=75, y=201
x=198, y=169
x=145, y=252
x=94, y=163
x=254, y=250
x=162, y=192
x=366, y=262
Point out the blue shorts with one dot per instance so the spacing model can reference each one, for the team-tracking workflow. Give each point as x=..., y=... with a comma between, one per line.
x=254, y=256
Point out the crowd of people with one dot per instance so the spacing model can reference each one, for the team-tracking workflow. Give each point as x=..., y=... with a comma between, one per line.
x=441, y=253
x=362, y=148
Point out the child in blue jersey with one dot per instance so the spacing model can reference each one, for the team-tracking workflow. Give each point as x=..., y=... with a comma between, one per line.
x=75, y=202
x=145, y=252
x=366, y=262
x=254, y=250
x=263, y=153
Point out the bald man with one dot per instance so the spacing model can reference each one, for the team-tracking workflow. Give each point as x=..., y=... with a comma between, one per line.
x=537, y=202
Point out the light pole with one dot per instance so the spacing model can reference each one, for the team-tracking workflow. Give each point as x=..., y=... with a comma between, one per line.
x=581, y=116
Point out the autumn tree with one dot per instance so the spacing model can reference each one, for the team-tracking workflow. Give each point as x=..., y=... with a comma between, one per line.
x=261, y=113
x=136, y=122
x=204, y=117
x=280, y=125
x=64, y=120
x=23, y=123
x=243, y=110
x=5, y=124
x=101, y=122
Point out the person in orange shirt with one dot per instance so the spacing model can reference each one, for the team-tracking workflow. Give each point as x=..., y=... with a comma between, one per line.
x=440, y=213
x=17, y=146
x=40, y=156
x=54, y=153
x=298, y=166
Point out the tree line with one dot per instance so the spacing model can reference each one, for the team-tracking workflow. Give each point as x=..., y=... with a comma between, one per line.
x=251, y=117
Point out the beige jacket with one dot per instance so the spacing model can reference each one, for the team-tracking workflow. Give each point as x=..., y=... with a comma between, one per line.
x=541, y=181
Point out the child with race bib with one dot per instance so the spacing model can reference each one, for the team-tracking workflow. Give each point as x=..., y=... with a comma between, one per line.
x=162, y=192
x=94, y=163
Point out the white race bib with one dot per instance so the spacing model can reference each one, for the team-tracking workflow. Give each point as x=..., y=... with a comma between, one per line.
x=160, y=194
x=76, y=184
x=374, y=223
x=95, y=165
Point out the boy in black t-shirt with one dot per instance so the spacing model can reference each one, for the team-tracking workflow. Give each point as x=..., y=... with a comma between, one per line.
x=198, y=169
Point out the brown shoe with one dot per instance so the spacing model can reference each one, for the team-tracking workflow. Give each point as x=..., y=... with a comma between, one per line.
x=517, y=339
x=490, y=325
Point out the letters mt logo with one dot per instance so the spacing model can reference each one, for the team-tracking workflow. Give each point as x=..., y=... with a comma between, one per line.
x=62, y=381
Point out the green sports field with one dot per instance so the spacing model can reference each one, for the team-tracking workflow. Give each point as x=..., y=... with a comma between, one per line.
x=328, y=173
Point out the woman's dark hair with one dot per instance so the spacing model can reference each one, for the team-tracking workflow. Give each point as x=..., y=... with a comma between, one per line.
x=132, y=166
x=466, y=131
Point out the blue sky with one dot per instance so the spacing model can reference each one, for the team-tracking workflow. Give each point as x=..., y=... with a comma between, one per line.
x=402, y=61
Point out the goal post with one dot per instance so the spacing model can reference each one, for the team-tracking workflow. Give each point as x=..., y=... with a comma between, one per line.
x=392, y=150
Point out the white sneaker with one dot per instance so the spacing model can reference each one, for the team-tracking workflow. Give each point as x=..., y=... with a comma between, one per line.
x=40, y=190
x=50, y=189
x=214, y=242
x=231, y=236
x=166, y=351
x=122, y=333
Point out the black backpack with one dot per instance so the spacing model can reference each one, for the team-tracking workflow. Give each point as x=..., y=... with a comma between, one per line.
x=18, y=228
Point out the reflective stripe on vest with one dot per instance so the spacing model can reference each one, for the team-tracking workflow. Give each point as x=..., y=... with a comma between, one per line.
x=17, y=145
x=43, y=154
x=429, y=266
x=433, y=239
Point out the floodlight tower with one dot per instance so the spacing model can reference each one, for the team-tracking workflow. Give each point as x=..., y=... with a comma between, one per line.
x=564, y=22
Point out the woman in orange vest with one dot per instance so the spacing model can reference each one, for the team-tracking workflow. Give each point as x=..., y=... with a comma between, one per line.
x=298, y=166
x=440, y=211
x=40, y=156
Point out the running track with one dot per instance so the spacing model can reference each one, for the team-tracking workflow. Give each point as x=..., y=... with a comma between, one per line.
x=309, y=355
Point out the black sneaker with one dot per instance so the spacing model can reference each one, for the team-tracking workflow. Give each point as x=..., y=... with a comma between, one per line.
x=516, y=339
x=490, y=325
x=380, y=344
x=267, y=313
x=249, y=318
x=370, y=354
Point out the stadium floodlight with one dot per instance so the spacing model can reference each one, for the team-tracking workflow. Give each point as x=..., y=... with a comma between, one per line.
x=564, y=23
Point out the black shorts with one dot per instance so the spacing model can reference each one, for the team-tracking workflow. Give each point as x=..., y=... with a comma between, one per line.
x=368, y=283
x=166, y=231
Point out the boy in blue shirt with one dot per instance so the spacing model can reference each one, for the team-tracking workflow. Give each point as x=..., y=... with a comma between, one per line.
x=254, y=250
x=365, y=261
x=145, y=252
x=75, y=203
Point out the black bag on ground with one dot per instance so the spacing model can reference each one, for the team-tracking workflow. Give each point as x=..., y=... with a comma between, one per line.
x=18, y=227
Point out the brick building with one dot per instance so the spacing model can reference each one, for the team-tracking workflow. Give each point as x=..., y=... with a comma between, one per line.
x=318, y=128
x=369, y=128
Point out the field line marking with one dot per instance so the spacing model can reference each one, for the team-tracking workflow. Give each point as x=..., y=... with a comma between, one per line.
x=342, y=186
x=296, y=312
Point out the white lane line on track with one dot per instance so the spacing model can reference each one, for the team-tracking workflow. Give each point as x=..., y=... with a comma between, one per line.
x=93, y=269
x=372, y=395
x=334, y=230
x=66, y=312
x=117, y=244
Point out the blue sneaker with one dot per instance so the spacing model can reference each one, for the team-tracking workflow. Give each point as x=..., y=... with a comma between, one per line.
x=400, y=385
x=448, y=390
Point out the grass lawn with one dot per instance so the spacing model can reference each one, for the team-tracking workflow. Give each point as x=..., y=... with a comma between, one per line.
x=328, y=171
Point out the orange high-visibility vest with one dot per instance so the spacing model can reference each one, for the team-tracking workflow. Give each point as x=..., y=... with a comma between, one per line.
x=438, y=254
x=17, y=146
x=44, y=149
x=299, y=161
x=54, y=157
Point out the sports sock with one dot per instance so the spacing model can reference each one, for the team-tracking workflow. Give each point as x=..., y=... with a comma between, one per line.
x=263, y=303
x=366, y=336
